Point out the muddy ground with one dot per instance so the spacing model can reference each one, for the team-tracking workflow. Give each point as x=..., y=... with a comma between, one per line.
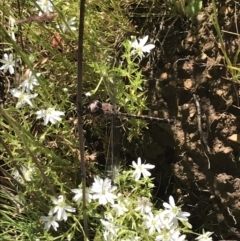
x=198, y=159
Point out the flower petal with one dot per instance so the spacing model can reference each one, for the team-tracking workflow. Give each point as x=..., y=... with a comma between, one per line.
x=143, y=40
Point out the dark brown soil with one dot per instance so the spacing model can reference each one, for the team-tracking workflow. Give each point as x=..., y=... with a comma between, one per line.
x=187, y=61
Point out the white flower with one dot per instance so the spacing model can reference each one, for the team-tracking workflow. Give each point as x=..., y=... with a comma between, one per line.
x=110, y=229
x=64, y=27
x=172, y=208
x=49, y=221
x=49, y=114
x=78, y=195
x=152, y=223
x=23, y=98
x=170, y=235
x=141, y=169
x=103, y=190
x=143, y=205
x=119, y=208
x=27, y=173
x=140, y=48
x=205, y=236
x=45, y=5
x=88, y=94
x=168, y=219
x=30, y=81
x=8, y=63
x=61, y=208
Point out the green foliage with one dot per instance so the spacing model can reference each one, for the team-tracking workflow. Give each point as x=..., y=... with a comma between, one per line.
x=232, y=65
x=123, y=84
x=189, y=8
x=193, y=7
x=42, y=161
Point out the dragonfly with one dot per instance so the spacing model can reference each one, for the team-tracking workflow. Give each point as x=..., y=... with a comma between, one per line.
x=106, y=110
x=97, y=108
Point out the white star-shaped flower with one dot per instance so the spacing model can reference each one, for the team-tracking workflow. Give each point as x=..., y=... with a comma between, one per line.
x=103, y=191
x=205, y=236
x=23, y=98
x=141, y=169
x=152, y=223
x=50, y=115
x=140, y=48
x=8, y=63
x=45, y=5
x=30, y=81
x=61, y=208
x=49, y=221
x=78, y=195
x=170, y=235
x=175, y=210
x=167, y=219
x=110, y=229
x=70, y=25
x=143, y=205
x=119, y=208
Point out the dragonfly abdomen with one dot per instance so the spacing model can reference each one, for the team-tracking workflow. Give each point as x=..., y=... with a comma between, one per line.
x=96, y=108
x=148, y=118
